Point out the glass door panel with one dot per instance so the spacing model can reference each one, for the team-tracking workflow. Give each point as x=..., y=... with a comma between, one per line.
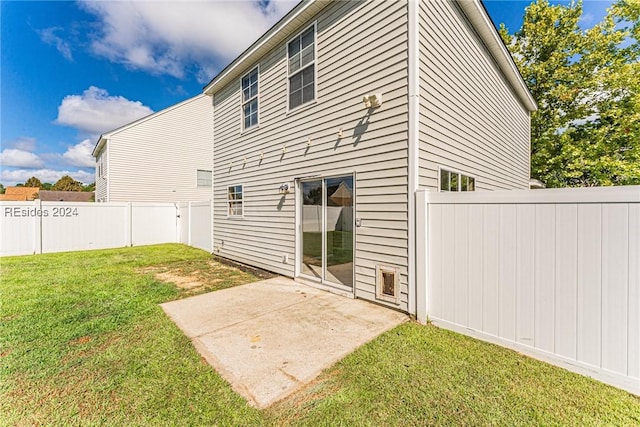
x=339, y=230
x=312, y=228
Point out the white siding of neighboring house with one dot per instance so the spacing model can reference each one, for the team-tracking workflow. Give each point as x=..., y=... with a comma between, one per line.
x=101, y=178
x=156, y=158
x=361, y=49
x=470, y=119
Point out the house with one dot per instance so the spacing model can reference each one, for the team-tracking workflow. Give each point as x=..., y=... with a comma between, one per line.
x=67, y=196
x=327, y=125
x=20, y=194
x=164, y=157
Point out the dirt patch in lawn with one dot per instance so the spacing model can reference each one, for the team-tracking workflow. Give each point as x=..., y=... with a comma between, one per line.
x=200, y=276
x=183, y=282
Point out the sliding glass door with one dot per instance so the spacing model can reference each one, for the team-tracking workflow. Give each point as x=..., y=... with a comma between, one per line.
x=328, y=230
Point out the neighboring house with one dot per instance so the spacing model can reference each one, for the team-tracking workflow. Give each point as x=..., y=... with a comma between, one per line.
x=67, y=196
x=164, y=157
x=327, y=125
x=20, y=194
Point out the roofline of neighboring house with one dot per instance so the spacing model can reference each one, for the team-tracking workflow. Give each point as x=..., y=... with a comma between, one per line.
x=105, y=136
x=473, y=9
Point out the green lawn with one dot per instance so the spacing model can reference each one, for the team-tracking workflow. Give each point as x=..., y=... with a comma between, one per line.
x=84, y=342
x=339, y=247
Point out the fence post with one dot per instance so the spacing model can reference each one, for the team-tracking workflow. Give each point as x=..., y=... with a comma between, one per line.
x=129, y=225
x=422, y=261
x=37, y=224
x=189, y=239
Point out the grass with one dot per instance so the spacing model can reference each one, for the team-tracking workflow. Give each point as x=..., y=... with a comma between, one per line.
x=339, y=244
x=84, y=342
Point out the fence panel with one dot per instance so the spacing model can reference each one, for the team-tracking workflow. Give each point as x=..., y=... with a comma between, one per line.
x=20, y=228
x=552, y=273
x=68, y=226
x=42, y=227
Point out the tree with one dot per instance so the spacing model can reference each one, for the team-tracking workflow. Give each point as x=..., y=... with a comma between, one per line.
x=586, y=131
x=66, y=183
x=33, y=182
x=46, y=186
x=2, y=189
x=89, y=188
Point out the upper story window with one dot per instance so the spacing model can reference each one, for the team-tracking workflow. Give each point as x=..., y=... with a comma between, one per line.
x=203, y=178
x=101, y=166
x=250, y=99
x=455, y=181
x=235, y=201
x=301, y=53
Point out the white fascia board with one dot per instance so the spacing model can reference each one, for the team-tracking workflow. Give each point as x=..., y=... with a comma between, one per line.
x=475, y=12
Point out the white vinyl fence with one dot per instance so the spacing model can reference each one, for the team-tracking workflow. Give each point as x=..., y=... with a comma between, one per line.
x=551, y=273
x=43, y=227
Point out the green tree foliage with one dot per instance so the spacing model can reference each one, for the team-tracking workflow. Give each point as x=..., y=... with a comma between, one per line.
x=89, y=188
x=47, y=186
x=66, y=183
x=2, y=189
x=587, y=86
x=33, y=182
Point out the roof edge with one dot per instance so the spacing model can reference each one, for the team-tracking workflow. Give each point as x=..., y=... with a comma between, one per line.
x=479, y=18
x=105, y=136
x=258, y=44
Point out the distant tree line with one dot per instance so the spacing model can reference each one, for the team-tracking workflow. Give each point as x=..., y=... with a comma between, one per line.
x=66, y=183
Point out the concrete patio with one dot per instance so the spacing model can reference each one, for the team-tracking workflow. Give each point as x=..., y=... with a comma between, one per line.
x=272, y=337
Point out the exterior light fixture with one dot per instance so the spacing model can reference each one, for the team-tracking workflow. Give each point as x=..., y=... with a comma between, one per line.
x=373, y=100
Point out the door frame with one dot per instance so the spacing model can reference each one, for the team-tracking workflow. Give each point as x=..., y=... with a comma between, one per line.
x=322, y=283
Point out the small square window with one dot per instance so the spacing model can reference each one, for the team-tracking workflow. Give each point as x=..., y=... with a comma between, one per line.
x=456, y=181
x=203, y=178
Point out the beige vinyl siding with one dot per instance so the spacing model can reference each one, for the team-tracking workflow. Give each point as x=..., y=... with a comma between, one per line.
x=361, y=49
x=470, y=119
x=156, y=159
x=101, y=181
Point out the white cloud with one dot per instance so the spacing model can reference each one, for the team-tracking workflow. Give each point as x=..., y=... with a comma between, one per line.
x=25, y=143
x=48, y=35
x=80, y=154
x=96, y=112
x=20, y=158
x=173, y=36
x=17, y=176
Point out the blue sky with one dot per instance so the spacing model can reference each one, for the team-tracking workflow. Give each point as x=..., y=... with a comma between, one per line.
x=73, y=70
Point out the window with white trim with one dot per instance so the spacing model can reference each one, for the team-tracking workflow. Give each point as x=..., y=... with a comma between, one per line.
x=250, y=99
x=101, y=168
x=456, y=181
x=235, y=201
x=301, y=53
x=203, y=178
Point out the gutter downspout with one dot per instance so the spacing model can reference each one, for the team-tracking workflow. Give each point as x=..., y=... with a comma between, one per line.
x=213, y=174
x=413, y=151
